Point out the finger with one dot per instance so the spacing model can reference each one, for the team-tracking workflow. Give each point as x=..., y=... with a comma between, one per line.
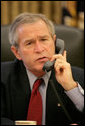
x=61, y=60
x=59, y=67
x=58, y=61
x=65, y=54
x=57, y=56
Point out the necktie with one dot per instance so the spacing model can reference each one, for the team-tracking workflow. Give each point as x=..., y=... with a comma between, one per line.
x=35, y=105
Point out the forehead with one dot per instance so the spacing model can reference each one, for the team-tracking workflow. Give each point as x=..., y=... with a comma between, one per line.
x=33, y=27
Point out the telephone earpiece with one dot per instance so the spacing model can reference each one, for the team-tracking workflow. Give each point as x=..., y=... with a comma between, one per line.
x=60, y=48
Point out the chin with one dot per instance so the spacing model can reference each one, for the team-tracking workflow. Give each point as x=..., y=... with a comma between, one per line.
x=39, y=67
x=38, y=72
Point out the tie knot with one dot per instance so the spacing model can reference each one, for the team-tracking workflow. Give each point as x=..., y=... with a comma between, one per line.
x=37, y=84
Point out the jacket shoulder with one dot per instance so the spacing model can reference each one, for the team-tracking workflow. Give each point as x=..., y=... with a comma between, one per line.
x=7, y=68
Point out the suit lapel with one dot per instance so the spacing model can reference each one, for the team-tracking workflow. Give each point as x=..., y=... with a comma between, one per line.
x=20, y=92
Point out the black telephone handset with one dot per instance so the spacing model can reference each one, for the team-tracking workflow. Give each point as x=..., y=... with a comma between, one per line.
x=60, y=48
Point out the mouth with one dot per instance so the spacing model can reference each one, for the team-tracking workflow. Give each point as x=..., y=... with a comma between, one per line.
x=42, y=59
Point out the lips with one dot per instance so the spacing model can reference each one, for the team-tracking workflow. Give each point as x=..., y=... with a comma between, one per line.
x=42, y=59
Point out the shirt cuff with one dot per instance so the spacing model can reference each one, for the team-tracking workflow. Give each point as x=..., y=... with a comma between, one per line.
x=77, y=96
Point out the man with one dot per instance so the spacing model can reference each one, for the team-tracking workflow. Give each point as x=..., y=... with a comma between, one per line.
x=32, y=38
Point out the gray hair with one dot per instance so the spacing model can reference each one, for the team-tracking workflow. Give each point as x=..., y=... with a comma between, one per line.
x=27, y=18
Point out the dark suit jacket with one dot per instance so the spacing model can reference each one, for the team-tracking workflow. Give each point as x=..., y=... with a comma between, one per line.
x=15, y=96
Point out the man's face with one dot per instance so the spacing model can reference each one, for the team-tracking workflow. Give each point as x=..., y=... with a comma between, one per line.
x=36, y=46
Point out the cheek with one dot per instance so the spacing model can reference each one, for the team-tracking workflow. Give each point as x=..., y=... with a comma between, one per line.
x=51, y=48
x=27, y=59
x=26, y=55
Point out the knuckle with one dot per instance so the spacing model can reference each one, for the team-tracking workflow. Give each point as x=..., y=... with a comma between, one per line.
x=68, y=64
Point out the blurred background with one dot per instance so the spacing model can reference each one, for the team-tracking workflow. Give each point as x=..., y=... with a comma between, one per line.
x=70, y=13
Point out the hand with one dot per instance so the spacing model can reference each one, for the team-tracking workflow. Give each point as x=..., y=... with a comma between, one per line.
x=63, y=71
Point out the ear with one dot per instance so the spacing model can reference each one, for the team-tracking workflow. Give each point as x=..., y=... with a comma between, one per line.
x=54, y=37
x=16, y=52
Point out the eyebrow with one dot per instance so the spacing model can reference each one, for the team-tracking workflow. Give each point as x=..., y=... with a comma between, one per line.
x=40, y=37
x=44, y=36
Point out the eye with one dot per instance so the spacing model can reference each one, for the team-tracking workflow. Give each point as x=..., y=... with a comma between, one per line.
x=28, y=43
x=44, y=39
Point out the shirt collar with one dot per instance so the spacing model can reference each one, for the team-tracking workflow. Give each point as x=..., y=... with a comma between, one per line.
x=33, y=78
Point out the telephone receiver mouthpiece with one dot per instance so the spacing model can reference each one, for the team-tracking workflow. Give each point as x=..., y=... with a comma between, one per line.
x=48, y=66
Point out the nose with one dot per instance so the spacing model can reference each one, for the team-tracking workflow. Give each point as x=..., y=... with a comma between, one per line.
x=38, y=47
